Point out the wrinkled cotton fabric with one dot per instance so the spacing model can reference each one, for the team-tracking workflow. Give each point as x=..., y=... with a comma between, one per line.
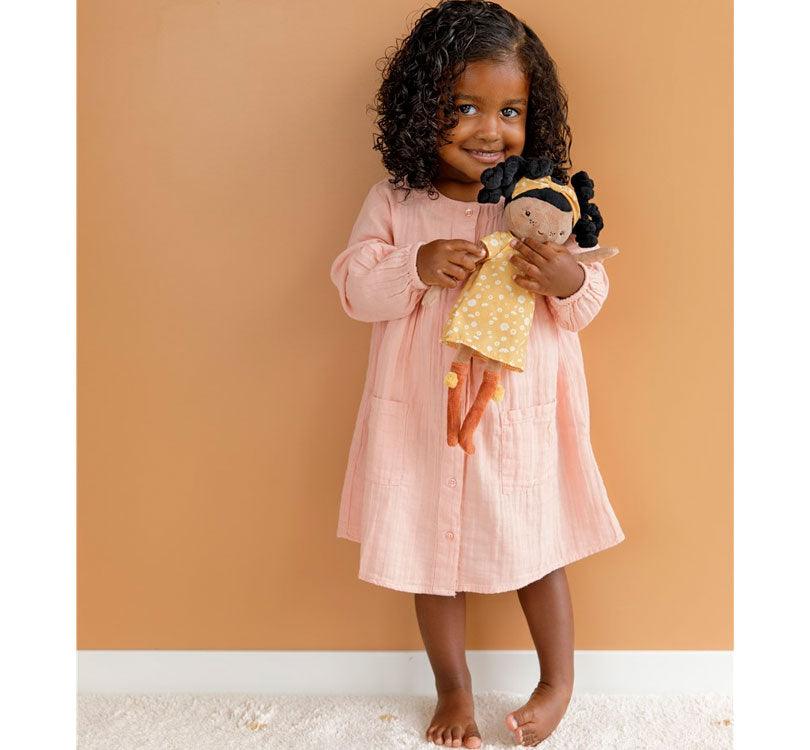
x=428, y=517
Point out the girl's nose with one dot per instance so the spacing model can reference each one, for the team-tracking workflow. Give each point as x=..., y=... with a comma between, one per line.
x=490, y=128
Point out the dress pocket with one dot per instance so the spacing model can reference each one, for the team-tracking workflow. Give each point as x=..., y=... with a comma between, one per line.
x=385, y=441
x=528, y=446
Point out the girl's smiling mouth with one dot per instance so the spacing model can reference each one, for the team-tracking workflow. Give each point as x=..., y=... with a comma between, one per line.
x=487, y=157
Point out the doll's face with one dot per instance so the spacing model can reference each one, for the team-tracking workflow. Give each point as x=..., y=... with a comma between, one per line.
x=532, y=217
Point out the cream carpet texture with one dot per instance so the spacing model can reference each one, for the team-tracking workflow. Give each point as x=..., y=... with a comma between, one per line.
x=295, y=722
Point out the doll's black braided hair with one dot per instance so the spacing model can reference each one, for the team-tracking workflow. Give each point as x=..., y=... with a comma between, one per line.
x=499, y=181
x=590, y=223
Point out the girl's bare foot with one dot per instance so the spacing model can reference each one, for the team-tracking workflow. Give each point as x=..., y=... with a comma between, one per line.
x=539, y=716
x=453, y=724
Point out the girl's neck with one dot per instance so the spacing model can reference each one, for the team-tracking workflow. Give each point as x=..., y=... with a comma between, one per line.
x=458, y=191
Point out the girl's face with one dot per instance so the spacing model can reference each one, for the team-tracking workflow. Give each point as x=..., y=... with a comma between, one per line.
x=490, y=100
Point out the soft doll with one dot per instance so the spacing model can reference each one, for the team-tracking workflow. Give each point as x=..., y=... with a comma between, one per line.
x=492, y=316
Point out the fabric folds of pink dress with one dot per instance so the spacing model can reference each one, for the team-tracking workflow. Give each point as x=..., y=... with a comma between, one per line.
x=428, y=517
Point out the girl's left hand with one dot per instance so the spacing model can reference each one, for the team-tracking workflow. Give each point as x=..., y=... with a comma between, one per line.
x=546, y=268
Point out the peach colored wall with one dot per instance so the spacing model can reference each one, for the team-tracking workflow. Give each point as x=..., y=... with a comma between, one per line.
x=219, y=378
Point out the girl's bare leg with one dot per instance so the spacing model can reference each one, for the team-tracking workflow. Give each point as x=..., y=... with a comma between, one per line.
x=455, y=380
x=547, y=606
x=441, y=622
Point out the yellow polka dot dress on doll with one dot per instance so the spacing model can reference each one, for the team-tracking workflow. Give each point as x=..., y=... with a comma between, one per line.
x=492, y=314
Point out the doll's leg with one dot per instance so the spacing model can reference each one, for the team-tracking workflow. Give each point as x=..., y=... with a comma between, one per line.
x=455, y=381
x=490, y=387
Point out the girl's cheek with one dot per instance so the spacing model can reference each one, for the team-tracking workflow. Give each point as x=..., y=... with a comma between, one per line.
x=522, y=130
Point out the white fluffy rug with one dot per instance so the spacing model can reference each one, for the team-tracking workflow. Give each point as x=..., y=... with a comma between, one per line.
x=295, y=722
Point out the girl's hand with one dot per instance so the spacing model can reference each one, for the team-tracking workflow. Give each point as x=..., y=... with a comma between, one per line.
x=546, y=268
x=448, y=262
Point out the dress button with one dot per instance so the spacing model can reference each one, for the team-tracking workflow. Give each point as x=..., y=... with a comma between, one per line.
x=451, y=482
x=468, y=211
x=449, y=534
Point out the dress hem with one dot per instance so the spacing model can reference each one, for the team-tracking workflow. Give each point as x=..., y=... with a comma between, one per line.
x=415, y=588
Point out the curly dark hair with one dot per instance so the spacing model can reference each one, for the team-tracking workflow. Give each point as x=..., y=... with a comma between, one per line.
x=414, y=104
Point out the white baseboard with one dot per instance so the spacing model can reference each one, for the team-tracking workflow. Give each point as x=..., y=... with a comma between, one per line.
x=391, y=672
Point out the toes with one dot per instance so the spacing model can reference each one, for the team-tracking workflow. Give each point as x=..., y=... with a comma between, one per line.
x=455, y=734
x=472, y=739
x=514, y=720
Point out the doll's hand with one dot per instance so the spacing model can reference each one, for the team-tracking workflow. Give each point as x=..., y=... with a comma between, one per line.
x=448, y=262
x=546, y=268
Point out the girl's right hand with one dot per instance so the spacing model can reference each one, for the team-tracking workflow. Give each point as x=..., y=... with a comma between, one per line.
x=448, y=262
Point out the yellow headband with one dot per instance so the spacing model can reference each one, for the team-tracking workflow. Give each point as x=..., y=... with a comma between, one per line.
x=524, y=184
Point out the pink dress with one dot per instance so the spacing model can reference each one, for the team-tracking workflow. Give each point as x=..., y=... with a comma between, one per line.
x=429, y=518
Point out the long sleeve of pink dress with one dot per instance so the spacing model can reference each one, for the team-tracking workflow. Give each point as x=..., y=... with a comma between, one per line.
x=377, y=280
x=428, y=517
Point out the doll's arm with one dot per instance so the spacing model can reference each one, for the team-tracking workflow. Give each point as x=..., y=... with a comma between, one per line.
x=591, y=256
x=376, y=279
x=577, y=310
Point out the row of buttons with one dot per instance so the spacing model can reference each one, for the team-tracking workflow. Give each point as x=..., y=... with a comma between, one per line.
x=452, y=483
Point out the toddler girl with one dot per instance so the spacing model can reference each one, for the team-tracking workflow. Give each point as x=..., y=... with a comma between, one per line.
x=470, y=86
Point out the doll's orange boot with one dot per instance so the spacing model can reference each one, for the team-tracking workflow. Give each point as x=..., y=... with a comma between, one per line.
x=455, y=381
x=488, y=389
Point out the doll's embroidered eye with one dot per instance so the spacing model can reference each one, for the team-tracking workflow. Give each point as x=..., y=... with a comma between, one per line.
x=528, y=213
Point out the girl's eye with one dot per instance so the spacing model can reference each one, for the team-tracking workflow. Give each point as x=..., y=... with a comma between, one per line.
x=460, y=106
x=511, y=109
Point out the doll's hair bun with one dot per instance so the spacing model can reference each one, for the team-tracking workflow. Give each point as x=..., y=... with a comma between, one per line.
x=485, y=195
x=534, y=169
x=587, y=229
x=583, y=186
x=511, y=170
x=499, y=181
x=592, y=210
x=492, y=178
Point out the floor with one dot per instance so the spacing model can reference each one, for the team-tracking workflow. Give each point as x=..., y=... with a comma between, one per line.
x=295, y=722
